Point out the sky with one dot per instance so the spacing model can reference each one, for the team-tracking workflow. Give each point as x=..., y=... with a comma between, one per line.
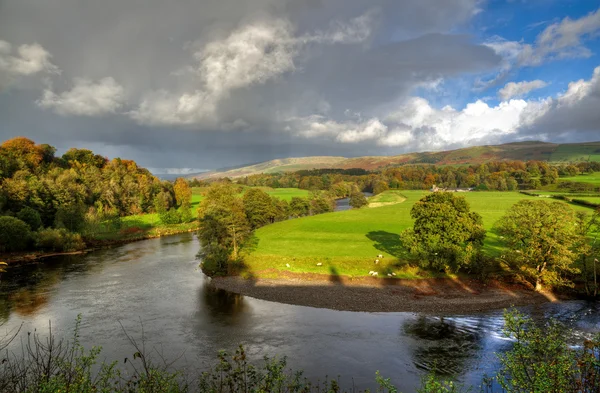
x=188, y=85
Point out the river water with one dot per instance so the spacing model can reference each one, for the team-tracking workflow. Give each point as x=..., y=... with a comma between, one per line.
x=157, y=284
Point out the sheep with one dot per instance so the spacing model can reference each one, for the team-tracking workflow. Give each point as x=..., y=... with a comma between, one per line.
x=393, y=274
x=376, y=261
x=380, y=256
x=319, y=264
x=389, y=275
x=287, y=265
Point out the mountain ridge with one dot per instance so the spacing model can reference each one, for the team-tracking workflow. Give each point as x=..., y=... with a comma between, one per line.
x=524, y=151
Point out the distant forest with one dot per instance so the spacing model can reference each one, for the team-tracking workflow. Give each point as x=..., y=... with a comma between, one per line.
x=496, y=176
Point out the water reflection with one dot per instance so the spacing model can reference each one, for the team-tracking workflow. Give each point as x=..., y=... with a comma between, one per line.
x=444, y=346
x=223, y=305
x=157, y=283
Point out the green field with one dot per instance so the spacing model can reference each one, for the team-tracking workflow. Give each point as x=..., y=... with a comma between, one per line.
x=346, y=243
x=584, y=178
x=576, y=152
x=387, y=198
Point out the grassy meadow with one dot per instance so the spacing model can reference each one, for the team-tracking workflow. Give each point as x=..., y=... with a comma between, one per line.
x=584, y=178
x=347, y=242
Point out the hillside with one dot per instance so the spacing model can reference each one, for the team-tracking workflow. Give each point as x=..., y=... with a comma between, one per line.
x=524, y=151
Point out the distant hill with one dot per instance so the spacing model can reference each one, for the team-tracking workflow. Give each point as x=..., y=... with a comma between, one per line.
x=524, y=151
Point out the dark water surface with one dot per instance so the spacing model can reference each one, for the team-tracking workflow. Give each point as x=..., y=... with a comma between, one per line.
x=157, y=283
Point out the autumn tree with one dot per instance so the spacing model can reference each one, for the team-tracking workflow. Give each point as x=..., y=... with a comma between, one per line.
x=183, y=193
x=540, y=237
x=358, y=200
x=446, y=235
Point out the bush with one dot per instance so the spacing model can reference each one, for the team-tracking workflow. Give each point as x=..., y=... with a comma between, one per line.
x=59, y=240
x=358, y=200
x=170, y=217
x=30, y=217
x=14, y=234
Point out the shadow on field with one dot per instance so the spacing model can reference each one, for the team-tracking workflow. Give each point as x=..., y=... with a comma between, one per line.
x=387, y=242
x=334, y=276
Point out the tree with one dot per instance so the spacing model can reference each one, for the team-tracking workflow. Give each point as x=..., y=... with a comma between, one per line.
x=259, y=208
x=358, y=200
x=31, y=217
x=183, y=193
x=446, y=235
x=379, y=187
x=540, y=237
x=14, y=234
x=321, y=203
x=299, y=207
x=223, y=230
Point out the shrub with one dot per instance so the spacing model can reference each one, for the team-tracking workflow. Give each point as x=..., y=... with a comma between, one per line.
x=31, y=217
x=59, y=240
x=14, y=234
x=170, y=217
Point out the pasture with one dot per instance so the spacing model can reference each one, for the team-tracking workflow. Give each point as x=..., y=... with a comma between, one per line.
x=347, y=242
x=576, y=152
x=584, y=178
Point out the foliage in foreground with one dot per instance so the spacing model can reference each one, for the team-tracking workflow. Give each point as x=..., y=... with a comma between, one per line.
x=540, y=361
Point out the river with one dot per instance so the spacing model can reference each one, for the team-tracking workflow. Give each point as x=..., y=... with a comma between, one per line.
x=157, y=283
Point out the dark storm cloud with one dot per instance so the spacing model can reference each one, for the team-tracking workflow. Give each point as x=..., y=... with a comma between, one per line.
x=214, y=83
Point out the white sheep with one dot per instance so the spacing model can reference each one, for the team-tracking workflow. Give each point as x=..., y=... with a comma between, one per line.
x=380, y=256
x=376, y=261
x=389, y=275
x=319, y=264
x=287, y=265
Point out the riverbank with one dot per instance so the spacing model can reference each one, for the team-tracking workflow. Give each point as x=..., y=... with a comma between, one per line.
x=436, y=295
x=92, y=244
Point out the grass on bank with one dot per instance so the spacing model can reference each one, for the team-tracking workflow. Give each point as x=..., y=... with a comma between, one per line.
x=347, y=243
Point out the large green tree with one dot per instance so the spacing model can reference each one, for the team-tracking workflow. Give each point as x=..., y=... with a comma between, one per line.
x=446, y=235
x=259, y=207
x=223, y=230
x=541, y=237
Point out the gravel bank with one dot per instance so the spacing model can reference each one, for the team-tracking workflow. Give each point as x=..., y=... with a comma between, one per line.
x=382, y=295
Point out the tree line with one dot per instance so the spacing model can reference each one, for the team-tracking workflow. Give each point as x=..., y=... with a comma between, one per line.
x=48, y=202
x=493, y=176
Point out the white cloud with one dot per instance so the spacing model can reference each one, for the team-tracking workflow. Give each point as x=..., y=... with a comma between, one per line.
x=560, y=40
x=418, y=125
x=86, y=98
x=250, y=55
x=520, y=89
x=574, y=110
x=29, y=60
